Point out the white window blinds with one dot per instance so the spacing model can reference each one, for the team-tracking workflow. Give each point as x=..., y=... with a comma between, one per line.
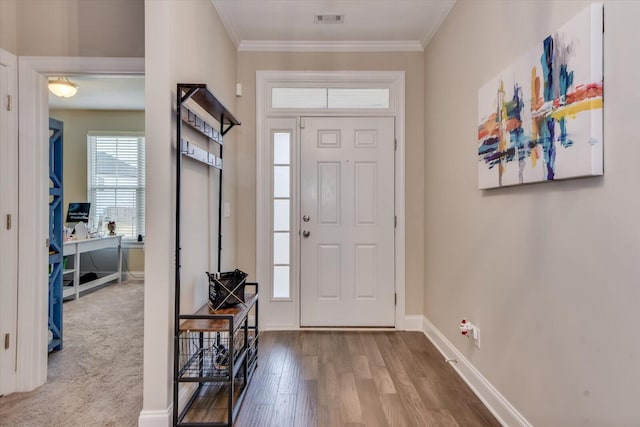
x=116, y=181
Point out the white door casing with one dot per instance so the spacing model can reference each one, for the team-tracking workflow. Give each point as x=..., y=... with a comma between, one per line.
x=347, y=222
x=285, y=314
x=33, y=174
x=8, y=221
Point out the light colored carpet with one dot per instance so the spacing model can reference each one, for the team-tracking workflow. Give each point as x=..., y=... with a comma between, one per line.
x=96, y=380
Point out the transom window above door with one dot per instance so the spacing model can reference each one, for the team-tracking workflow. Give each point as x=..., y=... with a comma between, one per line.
x=329, y=98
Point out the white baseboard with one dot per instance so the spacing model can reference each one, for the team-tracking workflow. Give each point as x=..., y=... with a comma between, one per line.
x=413, y=323
x=499, y=406
x=129, y=275
x=280, y=327
x=159, y=418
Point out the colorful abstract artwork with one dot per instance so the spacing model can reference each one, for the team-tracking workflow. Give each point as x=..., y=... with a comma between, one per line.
x=541, y=118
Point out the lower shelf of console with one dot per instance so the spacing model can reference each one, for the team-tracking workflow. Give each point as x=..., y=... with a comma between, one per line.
x=209, y=402
x=213, y=379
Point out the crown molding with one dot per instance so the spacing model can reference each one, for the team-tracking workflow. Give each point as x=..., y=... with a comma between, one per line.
x=232, y=32
x=434, y=29
x=329, y=46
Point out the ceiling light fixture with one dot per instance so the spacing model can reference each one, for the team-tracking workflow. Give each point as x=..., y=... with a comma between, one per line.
x=62, y=87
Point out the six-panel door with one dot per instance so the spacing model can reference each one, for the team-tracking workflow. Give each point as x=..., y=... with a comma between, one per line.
x=347, y=221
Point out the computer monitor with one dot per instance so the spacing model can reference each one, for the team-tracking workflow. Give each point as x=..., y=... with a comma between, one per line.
x=78, y=212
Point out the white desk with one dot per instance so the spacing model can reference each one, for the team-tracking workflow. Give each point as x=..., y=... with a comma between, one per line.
x=77, y=247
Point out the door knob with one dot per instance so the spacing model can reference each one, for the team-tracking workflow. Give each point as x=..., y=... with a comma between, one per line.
x=306, y=233
x=306, y=218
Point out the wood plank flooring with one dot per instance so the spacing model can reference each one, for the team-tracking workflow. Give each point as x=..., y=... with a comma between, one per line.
x=355, y=379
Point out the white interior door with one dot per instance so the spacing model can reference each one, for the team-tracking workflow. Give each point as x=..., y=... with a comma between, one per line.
x=347, y=221
x=8, y=231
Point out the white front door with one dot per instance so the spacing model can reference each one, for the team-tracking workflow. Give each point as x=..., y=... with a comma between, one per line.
x=8, y=234
x=347, y=221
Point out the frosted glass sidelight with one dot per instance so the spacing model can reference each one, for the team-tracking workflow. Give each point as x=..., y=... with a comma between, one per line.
x=298, y=97
x=281, y=181
x=281, y=142
x=281, y=215
x=281, y=282
x=281, y=248
x=358, y=98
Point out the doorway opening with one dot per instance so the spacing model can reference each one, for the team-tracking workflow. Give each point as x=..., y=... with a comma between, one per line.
x=97, y=225
x=31, y=369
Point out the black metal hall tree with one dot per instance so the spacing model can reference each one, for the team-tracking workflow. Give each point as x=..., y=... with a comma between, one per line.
x=217, y=351
x=199, y=93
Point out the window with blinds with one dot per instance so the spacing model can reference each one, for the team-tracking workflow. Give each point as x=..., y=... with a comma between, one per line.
x=115, y=176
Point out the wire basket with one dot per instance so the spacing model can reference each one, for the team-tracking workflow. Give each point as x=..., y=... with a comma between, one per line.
x=208, y=354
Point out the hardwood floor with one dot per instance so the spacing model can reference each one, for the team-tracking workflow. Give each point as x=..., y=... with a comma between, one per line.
x=326, y=379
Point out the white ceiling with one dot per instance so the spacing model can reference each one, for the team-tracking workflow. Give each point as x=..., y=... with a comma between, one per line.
x=267, y=25
x=381, y=25
x=103, y=93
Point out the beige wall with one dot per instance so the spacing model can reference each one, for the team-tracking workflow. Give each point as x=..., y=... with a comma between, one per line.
x=413, y=65
x=77, y=123
x=8, y=25
x=197, y=50
x=548, y=271
x=80, y=28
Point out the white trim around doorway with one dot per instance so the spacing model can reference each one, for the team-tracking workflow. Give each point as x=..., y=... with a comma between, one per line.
x=33, y=197
x=274, y=315
x=9, y=235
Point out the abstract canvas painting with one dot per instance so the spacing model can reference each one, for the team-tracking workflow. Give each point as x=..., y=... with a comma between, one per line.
x=541, y=118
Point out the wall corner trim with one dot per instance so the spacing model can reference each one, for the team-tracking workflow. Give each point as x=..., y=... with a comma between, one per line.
x=499, y=406
x=413, y=322
x=156, y=418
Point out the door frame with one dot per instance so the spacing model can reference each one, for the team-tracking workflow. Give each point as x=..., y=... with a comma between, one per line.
x=33, y=177
x=272, y=317
x=8, y=304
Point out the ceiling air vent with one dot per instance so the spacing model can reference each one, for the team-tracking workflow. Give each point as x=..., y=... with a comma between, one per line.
x=328, y=19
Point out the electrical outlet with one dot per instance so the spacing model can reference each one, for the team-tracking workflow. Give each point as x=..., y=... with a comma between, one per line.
x=476, y=337
x=470, y=331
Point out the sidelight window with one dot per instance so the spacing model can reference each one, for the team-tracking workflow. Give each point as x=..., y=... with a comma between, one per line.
x=281, y=198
